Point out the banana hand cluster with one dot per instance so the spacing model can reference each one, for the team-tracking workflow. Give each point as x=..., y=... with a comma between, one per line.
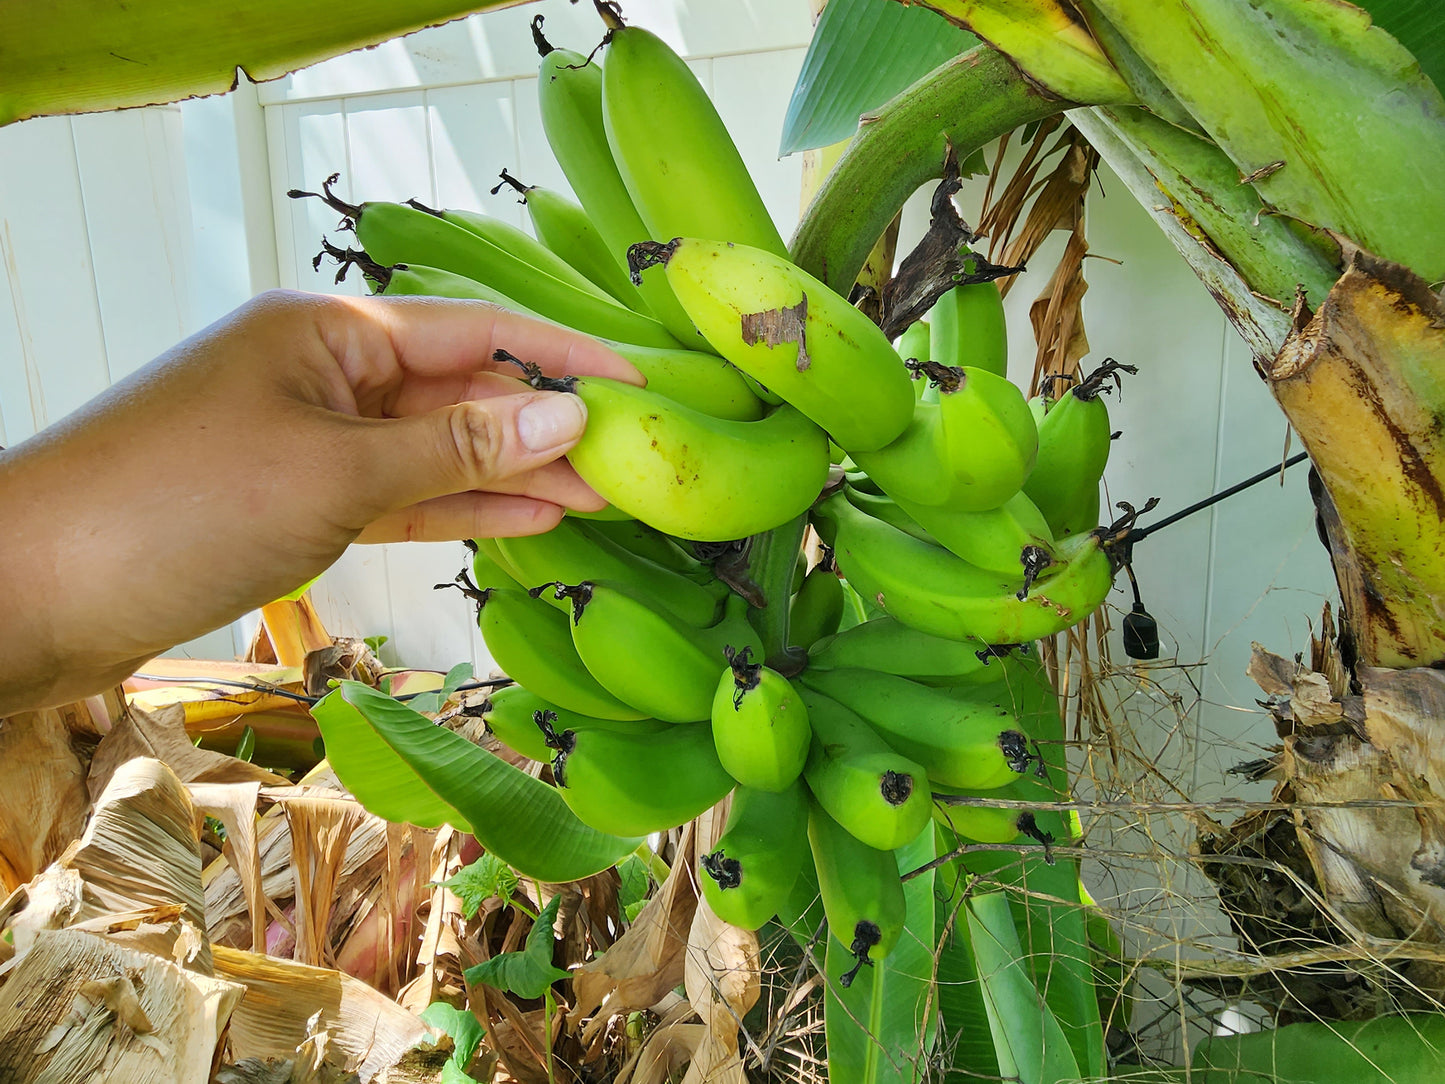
x=899, y=701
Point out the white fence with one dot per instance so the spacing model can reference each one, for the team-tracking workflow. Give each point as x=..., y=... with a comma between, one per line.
x=121, y=233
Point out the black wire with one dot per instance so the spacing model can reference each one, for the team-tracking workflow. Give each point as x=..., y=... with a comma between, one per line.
x=1144, y=532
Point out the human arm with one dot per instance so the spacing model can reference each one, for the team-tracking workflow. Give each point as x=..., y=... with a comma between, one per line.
x=242, y=463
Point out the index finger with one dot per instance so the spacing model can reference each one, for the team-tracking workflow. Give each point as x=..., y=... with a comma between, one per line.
x=441, y=337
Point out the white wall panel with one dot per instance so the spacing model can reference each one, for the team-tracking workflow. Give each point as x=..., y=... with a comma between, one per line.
x=132, y=177
x=308, y=144
x=46, y=248
x=751, y=92
x=388, y=148
x=474, y=136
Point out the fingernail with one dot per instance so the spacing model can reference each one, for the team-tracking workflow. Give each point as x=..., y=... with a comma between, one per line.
x=550, y=421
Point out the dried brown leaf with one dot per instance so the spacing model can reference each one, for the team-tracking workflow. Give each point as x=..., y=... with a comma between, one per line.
x=43, y=800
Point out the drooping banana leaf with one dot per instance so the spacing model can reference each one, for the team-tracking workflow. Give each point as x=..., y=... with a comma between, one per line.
x=1027, y=1039
x=1407, y=1049
x=403, y=767
x=862, y=53
x=881, y=1029
x=77, y=56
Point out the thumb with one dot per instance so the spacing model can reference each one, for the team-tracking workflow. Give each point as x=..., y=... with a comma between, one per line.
x=470, y=445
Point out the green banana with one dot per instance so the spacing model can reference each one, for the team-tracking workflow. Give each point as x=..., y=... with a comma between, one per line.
x=817, y=606
x=565, y=230
x=393, y=233
x=702, y=381
x=1009, y=539
x=936, y=592
x=916, y=343
x=636, y=783
x=979, y=434
x=993, y=824
x=489, y=567
x=1074, y=443
x=678, y=470
x=791, y=333
x=646, y=657
x=511, y=714
x=969, y=329
x=861, y=888
x=748, y=877
x=759, y=725
x=674, y=152
x=879, y=795
x=572, y=552
x=974, y=743
x=569, y=94
x=530, y=641
x=887, y=645
x=529, y=250
x=644, y=541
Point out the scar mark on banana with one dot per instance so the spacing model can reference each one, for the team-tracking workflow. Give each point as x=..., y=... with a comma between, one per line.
x=773, y=327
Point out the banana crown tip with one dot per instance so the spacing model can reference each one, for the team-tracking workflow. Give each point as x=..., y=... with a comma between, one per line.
x=645, y=254
x=895, y=787
x=746, y=673
x=726, y=871
x=866, y=934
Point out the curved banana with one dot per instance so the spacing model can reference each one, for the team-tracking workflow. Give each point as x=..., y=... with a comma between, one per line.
x=994, y=824
x=748, y=877
x=933, y=591
x=974, y=743
x=640, y=783
x=511, y=714
x=1074, y=443
x=678, y=470
x=887, y=645
x=647, y=542
x=916, y=343
x=674, y=152
x=530, y=641
x=877, y=794
x=704, y=382
x=988, y=437
x=646, y=657
x=969, y=329
x=861, y=889
x=791, y=333
x=759, y=725
x=569, y=94
x=565, y=230
x=816, y=609
x=572, y=552
x=394, y=233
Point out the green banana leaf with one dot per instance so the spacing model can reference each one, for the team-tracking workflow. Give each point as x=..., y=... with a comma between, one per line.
x=76, y=56
x=1330, y=119
x=862, y=53
x=882, y=1028
x=403, y=767
x=1407, y=1049
x=1027, y=1039
x=965, y=1044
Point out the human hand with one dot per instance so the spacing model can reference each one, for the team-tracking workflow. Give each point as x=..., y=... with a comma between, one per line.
x=242, y=463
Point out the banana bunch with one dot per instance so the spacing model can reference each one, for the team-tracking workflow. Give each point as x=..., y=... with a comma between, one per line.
x=890, y=692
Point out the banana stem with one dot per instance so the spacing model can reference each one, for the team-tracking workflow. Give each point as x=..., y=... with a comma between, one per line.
x=771, y=563
x=964, y=103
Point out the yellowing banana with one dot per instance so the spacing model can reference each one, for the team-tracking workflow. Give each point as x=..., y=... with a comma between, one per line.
x=759, y=725
x=678, y=470
x=792, y=334
x=704, y=382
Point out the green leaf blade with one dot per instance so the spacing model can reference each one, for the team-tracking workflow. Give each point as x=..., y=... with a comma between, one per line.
x=403, y=767
x=862, y=53
x=529, y=972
